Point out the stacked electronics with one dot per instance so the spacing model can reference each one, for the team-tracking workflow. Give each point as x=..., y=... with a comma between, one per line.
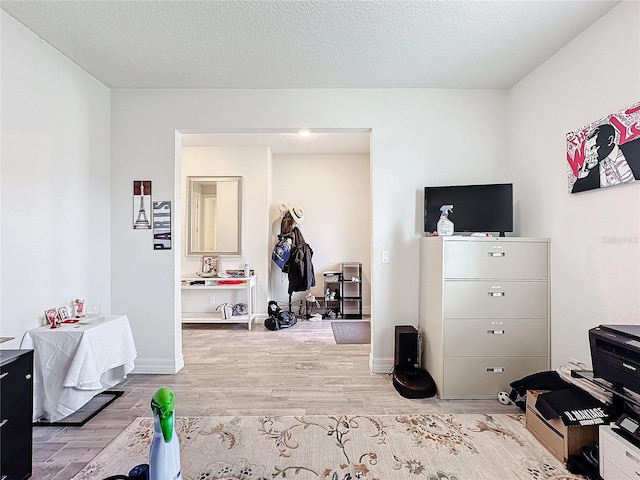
x=409, y=379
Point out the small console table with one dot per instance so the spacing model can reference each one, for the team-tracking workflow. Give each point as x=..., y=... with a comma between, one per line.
x=196, y=311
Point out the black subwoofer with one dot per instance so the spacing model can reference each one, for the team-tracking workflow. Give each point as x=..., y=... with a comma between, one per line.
x=406, y=350
x=409, y=379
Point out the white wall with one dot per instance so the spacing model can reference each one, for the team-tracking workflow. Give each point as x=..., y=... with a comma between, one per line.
x=335, y=192
x=595, y=250
x=250, y=163
x=419, y=137
x=55, y=243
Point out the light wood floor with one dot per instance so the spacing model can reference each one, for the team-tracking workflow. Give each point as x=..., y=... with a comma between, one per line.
x=232, y=371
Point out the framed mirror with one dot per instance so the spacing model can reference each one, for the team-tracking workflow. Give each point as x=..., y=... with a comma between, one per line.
x=214, y=216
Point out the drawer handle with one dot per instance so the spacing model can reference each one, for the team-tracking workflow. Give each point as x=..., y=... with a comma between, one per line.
x=632, y=457
x=3, y=422
x=495, y=332
x=497, y=254
x=4, y=375
x=496, y=294
x=28, y=376
x=495, y=370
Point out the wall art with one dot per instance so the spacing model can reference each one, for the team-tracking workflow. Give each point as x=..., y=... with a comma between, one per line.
x=210, y=265
x=605, y=152
x=63, y=313
x=162, y=225
x=141, y=201
x=52, y=317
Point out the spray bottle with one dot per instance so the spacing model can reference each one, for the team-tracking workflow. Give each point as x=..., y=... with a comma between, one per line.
x=164, y=456
x=445, y=226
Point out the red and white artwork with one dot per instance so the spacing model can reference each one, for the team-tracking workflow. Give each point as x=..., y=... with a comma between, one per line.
x=605, y=152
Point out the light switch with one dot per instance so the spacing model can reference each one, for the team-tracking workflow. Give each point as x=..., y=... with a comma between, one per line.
x=385, y=256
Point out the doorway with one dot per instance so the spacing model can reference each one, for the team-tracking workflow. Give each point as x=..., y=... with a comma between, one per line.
x=328, y=174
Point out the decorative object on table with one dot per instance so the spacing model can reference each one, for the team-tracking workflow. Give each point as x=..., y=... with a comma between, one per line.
x=51, y=315
x=164, y=455
x=236, y=273
x=210, y=266
x=141, y=198
x=162, y=225
x=605, y=152
x=63, y=313
x=93, y=310
x=78, y=305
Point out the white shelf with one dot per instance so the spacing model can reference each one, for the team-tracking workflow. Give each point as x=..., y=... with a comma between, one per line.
x=205, y=317
x=248, y=285
x=240, y=286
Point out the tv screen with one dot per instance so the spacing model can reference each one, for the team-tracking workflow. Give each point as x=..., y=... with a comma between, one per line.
x=476, y=208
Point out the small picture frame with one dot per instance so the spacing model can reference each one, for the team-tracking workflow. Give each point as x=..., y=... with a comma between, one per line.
x=52, y=317
x=63, y=313
x=210, y=265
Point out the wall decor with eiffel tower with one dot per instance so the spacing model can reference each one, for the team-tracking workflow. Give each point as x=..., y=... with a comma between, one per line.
x=141, y=202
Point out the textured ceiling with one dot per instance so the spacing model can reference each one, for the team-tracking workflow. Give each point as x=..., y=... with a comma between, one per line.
x=308, y=43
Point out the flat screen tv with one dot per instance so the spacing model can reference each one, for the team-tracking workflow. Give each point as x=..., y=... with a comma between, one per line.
x=476, y=208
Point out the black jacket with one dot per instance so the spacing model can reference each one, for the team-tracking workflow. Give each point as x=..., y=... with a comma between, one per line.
x=301, y=274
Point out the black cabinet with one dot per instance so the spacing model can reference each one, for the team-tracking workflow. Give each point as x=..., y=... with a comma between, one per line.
x=16, y=411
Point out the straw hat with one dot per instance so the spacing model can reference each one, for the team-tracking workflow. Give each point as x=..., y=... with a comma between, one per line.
x=297, y=212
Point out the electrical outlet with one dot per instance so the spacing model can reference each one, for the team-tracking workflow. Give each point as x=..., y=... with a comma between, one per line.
x=212, y=299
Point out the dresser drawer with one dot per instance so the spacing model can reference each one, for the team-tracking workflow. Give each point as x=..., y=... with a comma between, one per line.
x=497, y=299
x=496, y=259
x=620, y=453
x=16, y=409
x=484, y=377
x=483, y=336
x=610, y=472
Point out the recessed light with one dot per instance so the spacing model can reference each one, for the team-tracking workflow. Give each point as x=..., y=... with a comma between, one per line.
x=304, y=132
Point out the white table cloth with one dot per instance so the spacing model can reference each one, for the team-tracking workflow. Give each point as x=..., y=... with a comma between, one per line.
x=75, y=362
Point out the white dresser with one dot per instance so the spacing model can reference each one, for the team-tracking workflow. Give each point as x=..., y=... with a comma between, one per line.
x=618, y=459
x=484, y=312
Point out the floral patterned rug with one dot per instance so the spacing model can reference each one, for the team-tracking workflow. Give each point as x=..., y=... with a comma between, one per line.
x=349, y=447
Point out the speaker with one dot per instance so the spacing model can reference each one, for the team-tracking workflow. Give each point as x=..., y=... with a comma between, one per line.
x=406, y=349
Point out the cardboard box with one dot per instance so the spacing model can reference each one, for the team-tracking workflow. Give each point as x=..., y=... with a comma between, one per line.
x=559, y=439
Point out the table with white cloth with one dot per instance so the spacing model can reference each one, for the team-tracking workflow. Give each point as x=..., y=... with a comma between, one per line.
x=77, y=361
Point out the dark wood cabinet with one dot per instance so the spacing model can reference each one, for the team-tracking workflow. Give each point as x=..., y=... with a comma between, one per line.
x=16, y=411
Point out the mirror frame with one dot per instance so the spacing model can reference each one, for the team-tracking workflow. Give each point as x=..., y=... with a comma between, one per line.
x=191, y=180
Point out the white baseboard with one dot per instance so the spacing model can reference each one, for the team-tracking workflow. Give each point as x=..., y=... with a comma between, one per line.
x=158, y=366
x=380, y=365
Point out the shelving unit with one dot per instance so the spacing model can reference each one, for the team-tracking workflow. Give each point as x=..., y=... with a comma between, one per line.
x=206, y=312
x=351, y=291
x=332, y=293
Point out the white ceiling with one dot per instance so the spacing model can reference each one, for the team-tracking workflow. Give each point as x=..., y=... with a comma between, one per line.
x=308, y=43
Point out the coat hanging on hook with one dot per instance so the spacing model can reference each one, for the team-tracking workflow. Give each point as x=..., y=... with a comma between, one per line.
x=292, y=215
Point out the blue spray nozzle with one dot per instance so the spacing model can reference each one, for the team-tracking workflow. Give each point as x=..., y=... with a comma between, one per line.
x=445, y=209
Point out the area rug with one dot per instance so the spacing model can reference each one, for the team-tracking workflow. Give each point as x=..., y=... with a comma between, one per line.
x=341, y=447
x=351, y=332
